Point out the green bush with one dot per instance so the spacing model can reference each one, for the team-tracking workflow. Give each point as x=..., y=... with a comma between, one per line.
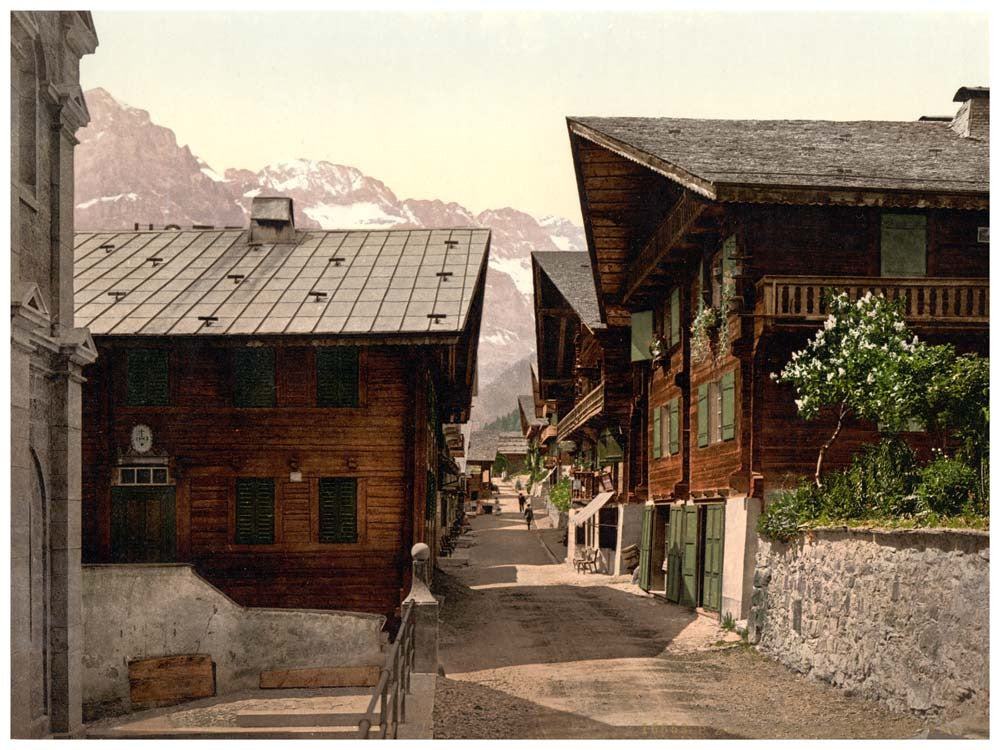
x=949, y=487
x=783, y=517
x=559, y=495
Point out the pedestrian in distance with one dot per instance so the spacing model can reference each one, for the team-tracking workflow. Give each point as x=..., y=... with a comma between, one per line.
x=529, y=515
x=520, y=502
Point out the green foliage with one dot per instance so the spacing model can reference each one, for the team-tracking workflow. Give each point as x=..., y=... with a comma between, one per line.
x=949, y=487
x=500, y=465
x=560, y=493
x=728, y=623
x=507, y=423
x=884, y=485
x=712, y=321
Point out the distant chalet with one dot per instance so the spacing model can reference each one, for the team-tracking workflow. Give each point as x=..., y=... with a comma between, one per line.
x=269, y=405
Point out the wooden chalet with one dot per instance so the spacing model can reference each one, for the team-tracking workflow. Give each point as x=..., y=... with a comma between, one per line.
x=513, y=447
x=268, y=405
x=479, y=459
x=585, y=378
x=756, y=219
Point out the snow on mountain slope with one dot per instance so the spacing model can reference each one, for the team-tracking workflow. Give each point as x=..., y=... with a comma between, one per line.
x=132, y=170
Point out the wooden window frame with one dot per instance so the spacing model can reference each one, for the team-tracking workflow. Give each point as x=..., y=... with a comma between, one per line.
x=236, y=352
x=357, y=513
x=235, y=515
x=359, y=378
x=145, y=402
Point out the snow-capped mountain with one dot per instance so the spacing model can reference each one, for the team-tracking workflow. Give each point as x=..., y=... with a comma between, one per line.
x=131, y=170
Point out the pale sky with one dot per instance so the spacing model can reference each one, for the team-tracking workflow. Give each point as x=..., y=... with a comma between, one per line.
x=471, y=107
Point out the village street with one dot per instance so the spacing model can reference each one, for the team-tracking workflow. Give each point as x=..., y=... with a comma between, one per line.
x=532, y=649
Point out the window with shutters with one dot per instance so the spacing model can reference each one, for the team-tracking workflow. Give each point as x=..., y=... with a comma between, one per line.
x=674, y=315
x=147, y=378
x=338, y=510
x=657, y=434
x=337, y=376
x=253, y=377
x=674, y=436
x=254, y=511
x=717, y=410
x=904, y=245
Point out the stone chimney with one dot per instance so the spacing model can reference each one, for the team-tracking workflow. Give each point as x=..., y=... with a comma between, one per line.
x=272, y=220
x=973, y=117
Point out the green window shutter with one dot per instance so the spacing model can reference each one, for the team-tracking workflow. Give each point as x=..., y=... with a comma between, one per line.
x=675, y=316
x=642, y=334
x=702, y=415
x=253, y=377
x=728, y=406
x=675, y=427
x=646, y=547
x=904, y=245
x=147, y=378
x=255, y=511
x=338, y=510
x=337, y=376
x=657, y=434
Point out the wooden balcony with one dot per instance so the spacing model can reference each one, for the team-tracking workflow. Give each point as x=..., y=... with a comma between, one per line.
x=585, y=409
x=791, y=301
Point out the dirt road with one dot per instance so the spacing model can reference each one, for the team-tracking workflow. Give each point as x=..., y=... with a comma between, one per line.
x=532, y=649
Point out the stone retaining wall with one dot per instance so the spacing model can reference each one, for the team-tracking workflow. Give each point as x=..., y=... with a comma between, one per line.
x=899, y=616
x=146, y=611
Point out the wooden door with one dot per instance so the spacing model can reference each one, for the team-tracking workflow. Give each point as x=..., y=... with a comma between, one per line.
x=675, y=554
x=689, y=564
x=645, y=547
x=715, y=528
x=143, y=524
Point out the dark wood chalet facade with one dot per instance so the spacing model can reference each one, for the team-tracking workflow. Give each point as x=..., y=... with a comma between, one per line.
x=585, y=379
x=755, y=219
x=268, y=405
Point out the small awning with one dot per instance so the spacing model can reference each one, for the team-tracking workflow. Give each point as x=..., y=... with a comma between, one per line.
x=536, y=488
x=579, y=516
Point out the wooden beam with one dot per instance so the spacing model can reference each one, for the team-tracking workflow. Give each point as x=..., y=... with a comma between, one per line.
x=674, y=226
x=561, y=356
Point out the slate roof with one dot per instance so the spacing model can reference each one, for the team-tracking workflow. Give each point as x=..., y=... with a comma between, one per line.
x=923, y=156
x=512, y=444
x=527, y=405
x=386, y=282
x=482, y=447
x=573, y=276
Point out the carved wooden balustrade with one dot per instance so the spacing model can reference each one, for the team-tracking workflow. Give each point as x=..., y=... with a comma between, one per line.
x=587, y=407
x=927, y=302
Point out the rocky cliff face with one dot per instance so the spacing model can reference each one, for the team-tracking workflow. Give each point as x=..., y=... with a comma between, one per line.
x=131, y=170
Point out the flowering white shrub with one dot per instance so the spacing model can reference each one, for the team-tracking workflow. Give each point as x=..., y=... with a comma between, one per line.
x=862, y=362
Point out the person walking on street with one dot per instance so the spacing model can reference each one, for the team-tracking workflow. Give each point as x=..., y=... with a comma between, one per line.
x=520, y=501
x=528, y=514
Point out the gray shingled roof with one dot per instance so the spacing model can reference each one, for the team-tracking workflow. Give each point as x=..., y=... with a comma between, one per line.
x=573, y=276
x=920, y=156
x=512, y=444
x=527, y=404
x=482, y=447
x=385, y=282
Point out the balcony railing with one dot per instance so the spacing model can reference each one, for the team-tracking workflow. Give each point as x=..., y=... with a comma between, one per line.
x=792, y=300
x=589, y=406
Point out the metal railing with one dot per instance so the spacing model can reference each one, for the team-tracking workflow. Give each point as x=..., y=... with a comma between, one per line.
x=389, y=696
x=589, y=406
x=929, y=301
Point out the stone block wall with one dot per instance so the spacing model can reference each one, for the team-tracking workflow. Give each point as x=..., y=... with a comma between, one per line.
x=898, y=616
x=147, y=611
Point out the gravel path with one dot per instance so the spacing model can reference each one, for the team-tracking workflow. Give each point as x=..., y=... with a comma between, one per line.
x=533, y=649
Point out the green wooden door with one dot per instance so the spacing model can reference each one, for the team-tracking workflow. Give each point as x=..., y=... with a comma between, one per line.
x=689, y=564
x=143, y=525
x=715, y=530
x=675, y=554
x=645, y=547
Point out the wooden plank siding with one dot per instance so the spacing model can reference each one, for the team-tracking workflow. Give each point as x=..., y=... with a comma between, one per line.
x=210, y=444
x=771, y=442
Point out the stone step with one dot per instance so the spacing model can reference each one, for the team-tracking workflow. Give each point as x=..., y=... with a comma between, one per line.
x=227, y=732
x=301, y=718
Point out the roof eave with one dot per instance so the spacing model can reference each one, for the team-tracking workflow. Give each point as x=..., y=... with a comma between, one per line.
x=671, y=171
x=735, y=192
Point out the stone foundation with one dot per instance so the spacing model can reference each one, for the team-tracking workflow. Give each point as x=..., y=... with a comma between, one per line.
x=898, y=616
